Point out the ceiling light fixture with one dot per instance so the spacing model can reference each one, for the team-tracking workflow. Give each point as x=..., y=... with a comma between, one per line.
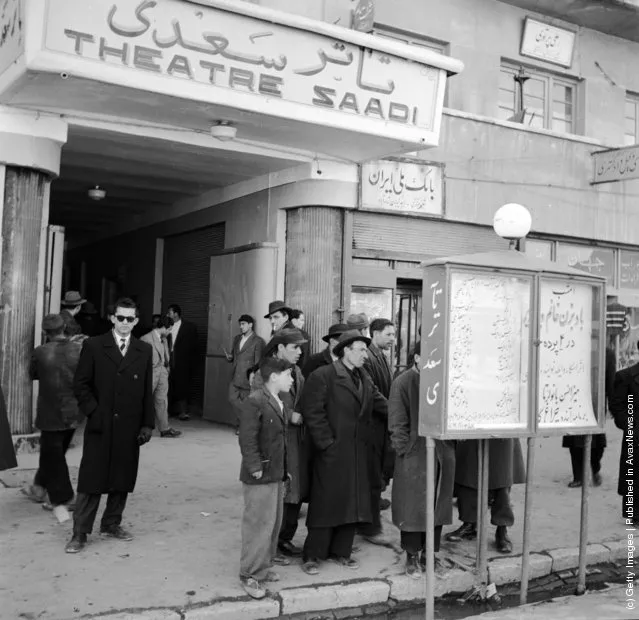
x=97, y=193
x=224, y=131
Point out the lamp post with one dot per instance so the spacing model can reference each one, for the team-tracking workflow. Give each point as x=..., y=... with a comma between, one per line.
x=512, y=222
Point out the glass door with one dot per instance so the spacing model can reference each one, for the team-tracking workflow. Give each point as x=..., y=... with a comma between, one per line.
x=408, y=317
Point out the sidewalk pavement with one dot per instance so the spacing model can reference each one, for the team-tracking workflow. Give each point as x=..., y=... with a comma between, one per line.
x=610, y=604
x=184, y=561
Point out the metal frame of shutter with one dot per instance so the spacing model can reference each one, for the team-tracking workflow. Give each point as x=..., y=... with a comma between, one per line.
x=423, y=237
x=186, y=281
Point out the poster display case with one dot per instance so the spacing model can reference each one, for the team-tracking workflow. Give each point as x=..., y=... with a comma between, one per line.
x=512, y=346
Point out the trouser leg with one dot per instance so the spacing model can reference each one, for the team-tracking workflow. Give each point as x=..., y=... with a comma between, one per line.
x=290, y=522
x=467, y=504
x=86, y=507
x=501, y=511
x=112, y=515
x=342, y=540
x=576, y=460
x=318, y=543
x=161, y=400
x=54, y=472
x=260, y=527
x=375, y=469
x=412, y=542
x=596, y=454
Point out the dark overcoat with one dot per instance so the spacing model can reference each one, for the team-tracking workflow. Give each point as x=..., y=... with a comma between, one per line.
x=183, y=358
x=623, y=403
x=505, y=463
x=317, y=360
x=115, y=393
x=338, y=418
x=7, y=453
x=262, y=438
x=297, y=453
x=409, y=483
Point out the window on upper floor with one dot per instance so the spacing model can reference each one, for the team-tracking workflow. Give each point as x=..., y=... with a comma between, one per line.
x=549, y=100
x=411, y=39
x=631, y=122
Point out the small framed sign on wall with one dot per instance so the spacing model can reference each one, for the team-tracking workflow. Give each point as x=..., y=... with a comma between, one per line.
x=546, y=42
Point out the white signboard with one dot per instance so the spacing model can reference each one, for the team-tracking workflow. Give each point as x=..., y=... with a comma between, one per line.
x=402, y=186
x=547, y=43
x=565, y=355
x=616, y=164
x=197, y=44
x=488, y=352
x=11, y=33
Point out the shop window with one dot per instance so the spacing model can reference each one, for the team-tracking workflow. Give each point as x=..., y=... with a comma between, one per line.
x=373, y=302
x=629, y=270
x=549, y=100
x=538, y=248
x=631, y=120
x=593, y=260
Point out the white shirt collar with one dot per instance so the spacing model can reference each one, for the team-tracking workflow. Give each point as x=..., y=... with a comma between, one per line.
x=119, y=339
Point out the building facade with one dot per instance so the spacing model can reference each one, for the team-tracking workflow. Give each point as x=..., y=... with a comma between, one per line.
x=349, y=165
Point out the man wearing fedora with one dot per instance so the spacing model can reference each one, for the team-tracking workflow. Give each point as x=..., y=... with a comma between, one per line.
x=53, y=364
x=359, y=322
x=279, y=315
x=286, y=345
x=326, y=357
x=338, y=404
x=71, y=305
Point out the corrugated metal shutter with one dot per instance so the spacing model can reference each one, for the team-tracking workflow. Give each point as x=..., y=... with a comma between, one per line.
x=187, y=263
x=432, y=238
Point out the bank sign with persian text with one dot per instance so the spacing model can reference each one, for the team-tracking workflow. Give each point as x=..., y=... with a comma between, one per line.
x=189, y=42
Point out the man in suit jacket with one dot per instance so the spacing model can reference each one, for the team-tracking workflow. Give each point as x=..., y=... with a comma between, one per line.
x=378, y=367
x=113, y=384
x=246, y=353
x=183, y=346
x=161, y=362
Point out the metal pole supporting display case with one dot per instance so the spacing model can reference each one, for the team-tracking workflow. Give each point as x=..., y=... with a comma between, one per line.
x=512, y=347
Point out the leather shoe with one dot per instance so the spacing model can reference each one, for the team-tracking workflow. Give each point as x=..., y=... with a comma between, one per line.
x=116, y=532
x=384, y=504
x=467, y=531
x=502, y=541
x=575, y=484
x=170, y=433
x=286, y=547
x=596, y=480
x=413, y=569
x=76, y=544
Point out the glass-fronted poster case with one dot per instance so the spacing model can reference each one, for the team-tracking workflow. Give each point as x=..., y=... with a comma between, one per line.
x=570, y=354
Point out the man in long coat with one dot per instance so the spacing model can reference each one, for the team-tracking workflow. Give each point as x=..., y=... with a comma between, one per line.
x=378, y=367
x=624, y=400
x=505, y=468
x=113, y=385
x=326, y=356
x=409, y=481
x=286, y=345
x=338, y=404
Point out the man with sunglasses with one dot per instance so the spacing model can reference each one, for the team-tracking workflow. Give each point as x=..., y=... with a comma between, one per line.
x=114, y=388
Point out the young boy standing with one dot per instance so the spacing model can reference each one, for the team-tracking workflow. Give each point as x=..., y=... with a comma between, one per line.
x=263, y=473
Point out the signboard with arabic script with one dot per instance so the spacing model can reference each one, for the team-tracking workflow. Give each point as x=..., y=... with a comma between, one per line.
x=547, y=42
x=248, y=63
x=616, y=164
x=403, y=186
x=569, y=355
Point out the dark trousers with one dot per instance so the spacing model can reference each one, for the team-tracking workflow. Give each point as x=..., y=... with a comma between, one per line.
x=323, y=542
x=501, y=512
x=289, y=522
x=414, y=542
x=53, y=472
x=577, y=460
x=86, y=509
x=377, y=483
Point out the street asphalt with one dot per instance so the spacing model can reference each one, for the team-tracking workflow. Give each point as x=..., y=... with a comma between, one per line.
x=185, y=515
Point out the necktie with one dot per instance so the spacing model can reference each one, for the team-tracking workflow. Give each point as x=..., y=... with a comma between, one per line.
x=122, y=345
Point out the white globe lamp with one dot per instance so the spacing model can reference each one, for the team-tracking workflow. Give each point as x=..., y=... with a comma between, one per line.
x=512, y=222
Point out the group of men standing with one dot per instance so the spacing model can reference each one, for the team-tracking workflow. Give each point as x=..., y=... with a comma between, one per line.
x=349, y=427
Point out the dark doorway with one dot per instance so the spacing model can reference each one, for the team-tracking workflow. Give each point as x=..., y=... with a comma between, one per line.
x=408, y=319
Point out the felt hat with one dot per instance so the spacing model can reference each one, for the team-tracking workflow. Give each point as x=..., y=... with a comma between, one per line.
x=335, y=330
x=348, y=338
x=285, y=336
x=357, y=321
x=51, y=322
x=72, y=298
x=277, y=306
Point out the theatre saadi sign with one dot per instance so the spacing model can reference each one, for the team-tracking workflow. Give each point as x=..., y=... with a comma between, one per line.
x=292, y=72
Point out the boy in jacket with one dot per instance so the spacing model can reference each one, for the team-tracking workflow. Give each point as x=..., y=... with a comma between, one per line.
x=263, y=421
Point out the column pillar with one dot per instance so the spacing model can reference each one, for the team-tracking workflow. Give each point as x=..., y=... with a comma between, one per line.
x=30, y=148
x=314, y=260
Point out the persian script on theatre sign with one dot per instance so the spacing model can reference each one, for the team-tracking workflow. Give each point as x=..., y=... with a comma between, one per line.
x=404, y=186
